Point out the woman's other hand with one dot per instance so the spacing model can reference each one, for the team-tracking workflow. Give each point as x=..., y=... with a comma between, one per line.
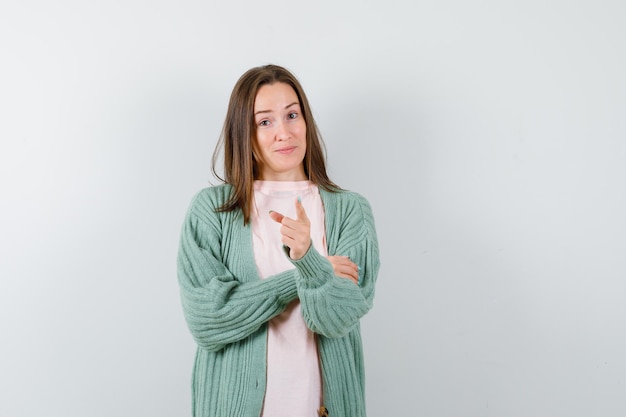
x=344, y=268
x=296, y=234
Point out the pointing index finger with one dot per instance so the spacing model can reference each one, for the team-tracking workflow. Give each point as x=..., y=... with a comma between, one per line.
x=300, y=212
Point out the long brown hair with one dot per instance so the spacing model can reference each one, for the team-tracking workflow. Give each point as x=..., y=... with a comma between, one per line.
x=239, y=132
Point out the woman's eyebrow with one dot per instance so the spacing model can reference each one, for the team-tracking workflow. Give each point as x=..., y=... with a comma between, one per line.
x=269, y=111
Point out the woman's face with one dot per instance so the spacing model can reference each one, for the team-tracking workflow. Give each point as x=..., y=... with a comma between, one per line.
x=280, y=133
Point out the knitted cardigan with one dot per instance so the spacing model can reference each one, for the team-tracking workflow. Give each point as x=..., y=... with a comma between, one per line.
x=227, y=305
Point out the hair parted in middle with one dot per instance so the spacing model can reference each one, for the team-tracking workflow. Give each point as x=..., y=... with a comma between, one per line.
x=239, y=133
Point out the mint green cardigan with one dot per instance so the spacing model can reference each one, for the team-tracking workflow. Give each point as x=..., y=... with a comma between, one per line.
x=227, y=306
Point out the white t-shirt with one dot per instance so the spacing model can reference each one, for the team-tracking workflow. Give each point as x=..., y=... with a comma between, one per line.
x=294, y=386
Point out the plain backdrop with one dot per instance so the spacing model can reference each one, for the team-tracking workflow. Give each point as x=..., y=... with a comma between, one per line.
x=489, y=137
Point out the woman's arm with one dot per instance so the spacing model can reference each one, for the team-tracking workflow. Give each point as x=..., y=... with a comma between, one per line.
x=218, y=307
x=332, y=305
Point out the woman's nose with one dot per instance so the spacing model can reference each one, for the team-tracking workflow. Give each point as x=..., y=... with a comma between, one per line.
x=282, y=133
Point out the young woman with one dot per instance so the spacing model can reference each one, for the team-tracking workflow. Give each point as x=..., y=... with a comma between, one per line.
x=276, y=266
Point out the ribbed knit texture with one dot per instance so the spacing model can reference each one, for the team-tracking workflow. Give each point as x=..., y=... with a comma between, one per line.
x=227, y=305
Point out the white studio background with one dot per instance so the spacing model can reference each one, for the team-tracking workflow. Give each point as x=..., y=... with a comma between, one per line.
x=488, y=136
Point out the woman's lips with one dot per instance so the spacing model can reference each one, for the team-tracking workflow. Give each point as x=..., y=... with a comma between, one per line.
x=286, y=150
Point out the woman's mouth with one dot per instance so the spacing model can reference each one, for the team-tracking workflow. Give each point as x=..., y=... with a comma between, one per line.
x=286, y=150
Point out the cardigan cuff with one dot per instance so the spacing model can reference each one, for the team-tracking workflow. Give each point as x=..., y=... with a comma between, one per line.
x=314, y=268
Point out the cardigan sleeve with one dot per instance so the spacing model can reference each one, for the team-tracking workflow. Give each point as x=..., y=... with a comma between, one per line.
x=219, y=307
x=331, y=305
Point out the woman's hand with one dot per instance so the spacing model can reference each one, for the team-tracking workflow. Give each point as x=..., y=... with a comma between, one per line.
x=344, y=268
x=296, y=233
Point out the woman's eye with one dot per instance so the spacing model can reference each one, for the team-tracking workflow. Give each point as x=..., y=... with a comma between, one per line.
x=292, y=115
x=264, y=123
